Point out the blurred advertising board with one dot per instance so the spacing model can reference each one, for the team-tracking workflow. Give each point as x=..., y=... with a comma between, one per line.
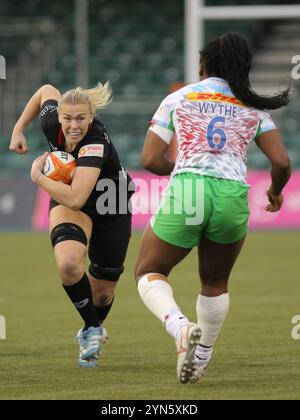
x=17, y=201
x=149, y=187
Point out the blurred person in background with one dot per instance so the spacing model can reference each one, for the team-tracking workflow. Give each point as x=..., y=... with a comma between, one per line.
x=76, y=227
x=215, y=120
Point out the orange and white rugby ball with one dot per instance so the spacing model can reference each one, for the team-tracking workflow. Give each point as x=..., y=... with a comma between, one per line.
x=60, y=166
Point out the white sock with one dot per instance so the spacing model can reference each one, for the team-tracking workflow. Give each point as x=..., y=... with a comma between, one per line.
x=211, y=314
x=175, y=320
x=203, y=354
x=157, y=295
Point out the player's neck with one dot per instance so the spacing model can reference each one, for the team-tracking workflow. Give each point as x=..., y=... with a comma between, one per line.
x=70, y=147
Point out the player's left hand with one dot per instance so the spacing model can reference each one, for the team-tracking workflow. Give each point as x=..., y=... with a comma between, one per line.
x=38, y=166
x=275, y=201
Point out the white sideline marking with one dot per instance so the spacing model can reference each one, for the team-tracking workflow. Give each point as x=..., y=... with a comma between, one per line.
x=2, y=328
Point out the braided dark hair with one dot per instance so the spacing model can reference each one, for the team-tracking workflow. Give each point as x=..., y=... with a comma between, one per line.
x=229, y=58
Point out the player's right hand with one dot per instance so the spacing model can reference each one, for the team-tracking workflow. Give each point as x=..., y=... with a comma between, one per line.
x=18, y=143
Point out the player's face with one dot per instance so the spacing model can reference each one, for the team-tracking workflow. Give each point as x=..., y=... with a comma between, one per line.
x=75, y=120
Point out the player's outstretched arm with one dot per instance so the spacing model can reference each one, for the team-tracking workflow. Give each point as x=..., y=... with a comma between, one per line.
x=272, y=146
x=18, y=142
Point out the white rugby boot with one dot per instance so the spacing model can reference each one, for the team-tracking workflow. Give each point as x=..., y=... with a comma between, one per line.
x=90, y=342
x=186, y=347
x=105, y=337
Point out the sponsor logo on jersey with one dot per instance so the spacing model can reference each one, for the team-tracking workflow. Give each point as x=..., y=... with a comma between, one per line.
x=213, y=97
x=91, y=150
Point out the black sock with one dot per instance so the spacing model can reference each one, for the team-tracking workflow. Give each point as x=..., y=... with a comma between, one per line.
x=81, y=296
x=103, y=311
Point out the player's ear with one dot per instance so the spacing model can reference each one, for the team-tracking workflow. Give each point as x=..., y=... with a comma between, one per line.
x=201, y=71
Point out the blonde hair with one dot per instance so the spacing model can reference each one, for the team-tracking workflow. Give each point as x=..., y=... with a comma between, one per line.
x=97, y=98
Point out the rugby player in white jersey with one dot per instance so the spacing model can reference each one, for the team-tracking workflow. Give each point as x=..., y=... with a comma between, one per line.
x=215, y=120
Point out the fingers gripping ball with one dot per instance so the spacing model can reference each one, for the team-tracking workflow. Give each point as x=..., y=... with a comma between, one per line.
x=60, y=166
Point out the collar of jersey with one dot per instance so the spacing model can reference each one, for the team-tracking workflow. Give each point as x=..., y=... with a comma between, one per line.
x=215, y=80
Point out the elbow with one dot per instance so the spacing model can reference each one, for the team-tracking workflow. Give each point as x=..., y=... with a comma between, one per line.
x=75, y=208
x=283, y=164
x=148, y=166
x=75, y=205
x=48, y=92
x=144, y=162
x=45, y=89
x=147, y=162
x=47, y=86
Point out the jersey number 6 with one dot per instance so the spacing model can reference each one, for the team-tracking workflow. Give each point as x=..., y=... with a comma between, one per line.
x=212, y=131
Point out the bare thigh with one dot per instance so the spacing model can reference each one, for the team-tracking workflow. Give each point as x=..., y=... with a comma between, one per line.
x=61, y=214
x=157, y=256
x=216, y=262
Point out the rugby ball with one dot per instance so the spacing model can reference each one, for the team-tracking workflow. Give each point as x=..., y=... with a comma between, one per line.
x=60, y=166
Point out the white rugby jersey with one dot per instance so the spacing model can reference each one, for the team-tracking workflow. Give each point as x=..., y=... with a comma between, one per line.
x=213, y=128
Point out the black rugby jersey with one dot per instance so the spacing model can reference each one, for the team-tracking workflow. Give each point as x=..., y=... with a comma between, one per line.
x=95, y=150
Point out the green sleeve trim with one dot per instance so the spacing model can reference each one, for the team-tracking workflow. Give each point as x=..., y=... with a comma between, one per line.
x=259, y=131
x=171, y=125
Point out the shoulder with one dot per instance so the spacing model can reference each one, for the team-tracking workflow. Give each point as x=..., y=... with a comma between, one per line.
x=96, y=143
x=171, y=101
x=48, y=107
x=262, y=114
x=97, y=134
x=179, y=95
x=265, y=122
x=98, y=129
x=265, y=118
x=49, y=120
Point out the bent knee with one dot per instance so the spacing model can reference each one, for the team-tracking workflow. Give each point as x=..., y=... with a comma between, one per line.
x=138, y=272
x=70, y=269
x=102, y=299
x=143, y=269
x=103, y=292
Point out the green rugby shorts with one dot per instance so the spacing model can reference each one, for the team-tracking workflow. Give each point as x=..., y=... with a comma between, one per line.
x=195, y=205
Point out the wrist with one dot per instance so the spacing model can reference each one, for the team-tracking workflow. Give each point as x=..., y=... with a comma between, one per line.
x=18, y=128
x=39, y=179
x=274, y=192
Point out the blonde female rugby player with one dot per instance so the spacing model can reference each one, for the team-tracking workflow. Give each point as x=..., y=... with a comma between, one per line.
x=214, y=120
x=77, y=229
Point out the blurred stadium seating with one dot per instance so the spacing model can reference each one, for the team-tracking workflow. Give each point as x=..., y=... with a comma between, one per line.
x=140, y=50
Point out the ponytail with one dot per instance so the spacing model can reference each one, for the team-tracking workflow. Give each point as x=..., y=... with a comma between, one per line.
x=97, y=98
x=229, y=58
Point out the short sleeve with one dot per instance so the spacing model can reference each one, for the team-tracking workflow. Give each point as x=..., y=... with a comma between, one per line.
x=265, y=124
x=49, y=120
x=164, y=116
x=94, y=154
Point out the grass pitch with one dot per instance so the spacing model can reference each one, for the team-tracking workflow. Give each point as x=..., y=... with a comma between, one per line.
x=255, y=356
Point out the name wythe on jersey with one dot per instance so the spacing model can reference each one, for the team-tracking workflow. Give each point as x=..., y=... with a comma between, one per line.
x=216, y=108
